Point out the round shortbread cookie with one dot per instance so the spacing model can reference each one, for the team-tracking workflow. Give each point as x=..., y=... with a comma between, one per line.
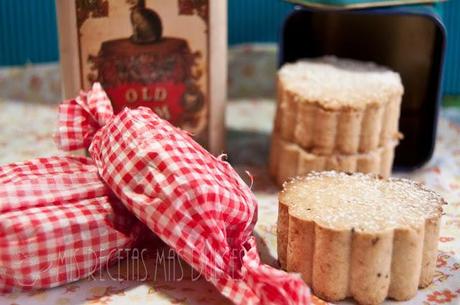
x=356, y=235
x=329, y=105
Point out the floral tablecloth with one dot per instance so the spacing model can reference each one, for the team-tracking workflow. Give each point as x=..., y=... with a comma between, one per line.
x=158, y=277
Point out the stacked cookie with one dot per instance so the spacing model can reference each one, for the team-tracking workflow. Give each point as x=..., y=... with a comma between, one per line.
x=335, y=114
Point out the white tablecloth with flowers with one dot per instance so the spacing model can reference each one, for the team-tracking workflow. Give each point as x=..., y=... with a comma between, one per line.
x=26, y=132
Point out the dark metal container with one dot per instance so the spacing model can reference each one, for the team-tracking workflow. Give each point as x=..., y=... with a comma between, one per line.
x=408, y=40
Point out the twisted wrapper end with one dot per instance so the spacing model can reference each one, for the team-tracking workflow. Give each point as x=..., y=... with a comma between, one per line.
x=260, y=284
x=272, y=286
x=80, y=118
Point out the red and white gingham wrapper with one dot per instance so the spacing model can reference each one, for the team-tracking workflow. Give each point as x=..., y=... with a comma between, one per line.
x=193, y=201
x=58, y=223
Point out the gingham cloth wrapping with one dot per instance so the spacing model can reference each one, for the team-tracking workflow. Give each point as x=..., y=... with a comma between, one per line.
x=58, y=223
x=193, y=201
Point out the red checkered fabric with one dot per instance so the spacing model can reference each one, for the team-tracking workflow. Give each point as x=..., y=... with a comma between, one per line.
x=58, y=223
x=80, y=118
x=193, y=201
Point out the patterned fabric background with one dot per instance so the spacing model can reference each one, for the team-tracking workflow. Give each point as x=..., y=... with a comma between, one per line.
x=27, y=121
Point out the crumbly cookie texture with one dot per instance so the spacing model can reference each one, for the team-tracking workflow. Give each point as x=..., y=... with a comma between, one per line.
x=330, y=105
x=337, y=83
x=356, y=235
x=288, y=160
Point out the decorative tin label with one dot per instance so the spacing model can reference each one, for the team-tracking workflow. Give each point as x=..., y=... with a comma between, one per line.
x=151, y=53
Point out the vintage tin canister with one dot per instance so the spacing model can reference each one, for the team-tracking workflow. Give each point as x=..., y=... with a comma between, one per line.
x=168, y=55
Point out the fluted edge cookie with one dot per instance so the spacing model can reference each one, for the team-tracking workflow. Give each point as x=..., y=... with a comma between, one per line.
x=355, y=235
x=288, y=160
x=331, y=105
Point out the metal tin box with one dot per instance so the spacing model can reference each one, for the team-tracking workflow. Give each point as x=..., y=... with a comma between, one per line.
x=408, y=40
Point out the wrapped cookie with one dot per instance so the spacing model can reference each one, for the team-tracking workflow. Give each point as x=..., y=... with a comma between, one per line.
x=196, y=203
x=58, y=223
